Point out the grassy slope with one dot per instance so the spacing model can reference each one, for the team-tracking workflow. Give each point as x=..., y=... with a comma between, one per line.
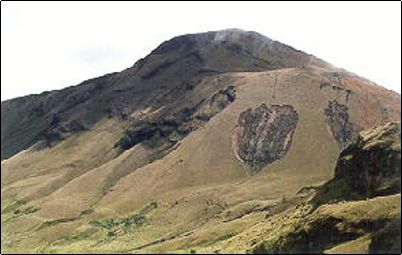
x=195, y=185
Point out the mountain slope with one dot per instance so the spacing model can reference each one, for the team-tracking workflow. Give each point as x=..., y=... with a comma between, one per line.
x=157, y=80
x=369, y=168
x=171, y=144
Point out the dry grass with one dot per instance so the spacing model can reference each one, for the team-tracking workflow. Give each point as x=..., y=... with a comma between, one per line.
x=196, y=185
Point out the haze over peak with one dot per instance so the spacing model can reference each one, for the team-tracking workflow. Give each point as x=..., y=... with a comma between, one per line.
x=204, y=52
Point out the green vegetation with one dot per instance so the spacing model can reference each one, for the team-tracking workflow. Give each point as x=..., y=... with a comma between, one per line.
x=12, y=207
x=331, y=225
x=335, y=191
x=127, y=224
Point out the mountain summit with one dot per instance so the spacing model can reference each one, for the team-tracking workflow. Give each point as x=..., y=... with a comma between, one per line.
x=214, y=142
x=203, y=53
x=173, y=64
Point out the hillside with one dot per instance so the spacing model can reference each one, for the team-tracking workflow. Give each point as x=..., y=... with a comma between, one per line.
x=191, y=148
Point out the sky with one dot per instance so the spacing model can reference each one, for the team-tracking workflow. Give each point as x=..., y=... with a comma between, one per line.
x=52, y=45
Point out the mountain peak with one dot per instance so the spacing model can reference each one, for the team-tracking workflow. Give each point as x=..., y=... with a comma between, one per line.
x=244, y=51
x=234, y=34
x=225, y=36
x=204, y=138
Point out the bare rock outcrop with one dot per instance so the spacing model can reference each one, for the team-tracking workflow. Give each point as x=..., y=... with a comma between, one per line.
x=338, y=121
x=177, y=125
x=368, y=167
x=264, y=134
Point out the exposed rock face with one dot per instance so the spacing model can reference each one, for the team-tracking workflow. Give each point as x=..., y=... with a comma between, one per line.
x=372, y=165
x=388, y=239
x=336, y=88
x=216, y=104
x=369, y=170
x=313, y=239
x=337, y=118
x=58, y=132
x=176, y=126
x=331, y=226
x=264, y=135
x=368, y=167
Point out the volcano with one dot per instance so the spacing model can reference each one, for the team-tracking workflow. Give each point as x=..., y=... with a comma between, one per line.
x=225, y=141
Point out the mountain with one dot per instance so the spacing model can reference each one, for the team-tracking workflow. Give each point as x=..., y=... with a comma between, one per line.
x=360, y=207
x=157, y=80
x=208, y=137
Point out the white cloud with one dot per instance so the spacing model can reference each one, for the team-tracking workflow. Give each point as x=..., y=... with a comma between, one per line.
x=47, y=46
